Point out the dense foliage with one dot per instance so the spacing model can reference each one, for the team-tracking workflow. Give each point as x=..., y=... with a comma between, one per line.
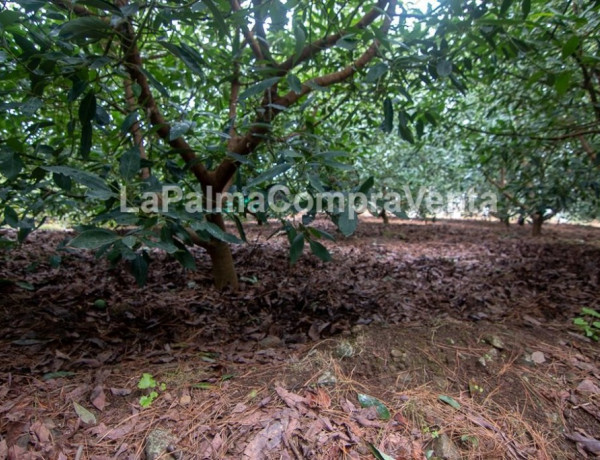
x=106, y=103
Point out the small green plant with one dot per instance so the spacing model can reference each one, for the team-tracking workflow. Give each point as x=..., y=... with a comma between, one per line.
x=148, y=382
x=589, y=323
x=470, y=440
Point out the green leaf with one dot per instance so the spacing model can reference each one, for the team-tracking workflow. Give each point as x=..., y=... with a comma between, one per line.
x=218, y=17
x=94, y=239
x=366, y=185
x=179, y=129
x=300, y=39
x=562, y=83
x=186, y=260
x=128, y=122
x=338, y=165
x=62, y=181
x=570, y=46
x=406, y=134
x=296, y=248
x=258, y=88
x=88, y=27
x=130, y=163
x=403, y=129
x=101, y=5
x=32, y=105
x=25, y=285
x=147, y=400
x=86, y=140
x=319, y=250
x=102, y=117
x=369, y=401
x=11, y=218
x=139, y=269
x=216, y=232
x=388, y=115
x=590, y=312
x=443, y=68
x=191, y=60
x=315, y=182
x=321, y=233
x=10, y=165
x=87, y=108
x=378, y=454
x=157, y=84
x=147, y=381
x=294, y=83
x=450, y=401
x=8, y=18
x=278, y=13
x=57, y=375
x=269, y=174
x=97, y=185
x=26, y=46
x=240, y=228
x=526, y=8
x=85, y=415
x=345, y=223
x=505, y=6
x=375, y=72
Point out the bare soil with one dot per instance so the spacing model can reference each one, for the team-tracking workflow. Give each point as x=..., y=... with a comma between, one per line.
x=449, y=340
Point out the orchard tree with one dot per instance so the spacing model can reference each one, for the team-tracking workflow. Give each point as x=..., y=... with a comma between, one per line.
x=98, y=94
x=529, y=120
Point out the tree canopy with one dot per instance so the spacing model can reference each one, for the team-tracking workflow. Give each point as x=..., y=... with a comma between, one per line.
x=108, y=104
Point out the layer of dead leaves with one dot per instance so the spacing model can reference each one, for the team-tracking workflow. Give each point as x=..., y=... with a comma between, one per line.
x=59, y=349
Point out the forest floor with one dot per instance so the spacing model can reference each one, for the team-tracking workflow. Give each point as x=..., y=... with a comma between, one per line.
x=448, y=340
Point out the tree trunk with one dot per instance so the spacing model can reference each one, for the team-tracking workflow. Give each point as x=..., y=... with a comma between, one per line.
x=538, y=220
x=384, y=216
x=223, y=268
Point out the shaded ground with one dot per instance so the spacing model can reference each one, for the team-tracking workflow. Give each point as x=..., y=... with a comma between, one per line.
x=473, y=312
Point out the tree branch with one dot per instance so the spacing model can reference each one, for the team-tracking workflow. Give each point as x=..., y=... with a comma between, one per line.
x=233, y=97
x=248, y=35
x=578, y=132
x=588, y=85
x=244, y=145
x=77, y=9
x=133, y=63
x=587, y=148
x=316, y=47
x=138, y=141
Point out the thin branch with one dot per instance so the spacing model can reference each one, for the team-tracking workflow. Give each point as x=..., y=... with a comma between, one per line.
x=345, y=73
x=133, y=63
x=588, y=85
x=244, y=145
x=135, y=127
x=529, y=136
x=501, y=188
x=248, y=35
x=233, y=96
x=588, y=149
x=77, y=9
x=316, y=47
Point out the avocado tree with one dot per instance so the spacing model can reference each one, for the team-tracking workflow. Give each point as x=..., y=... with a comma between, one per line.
x=100, y=94
x=529, y=120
